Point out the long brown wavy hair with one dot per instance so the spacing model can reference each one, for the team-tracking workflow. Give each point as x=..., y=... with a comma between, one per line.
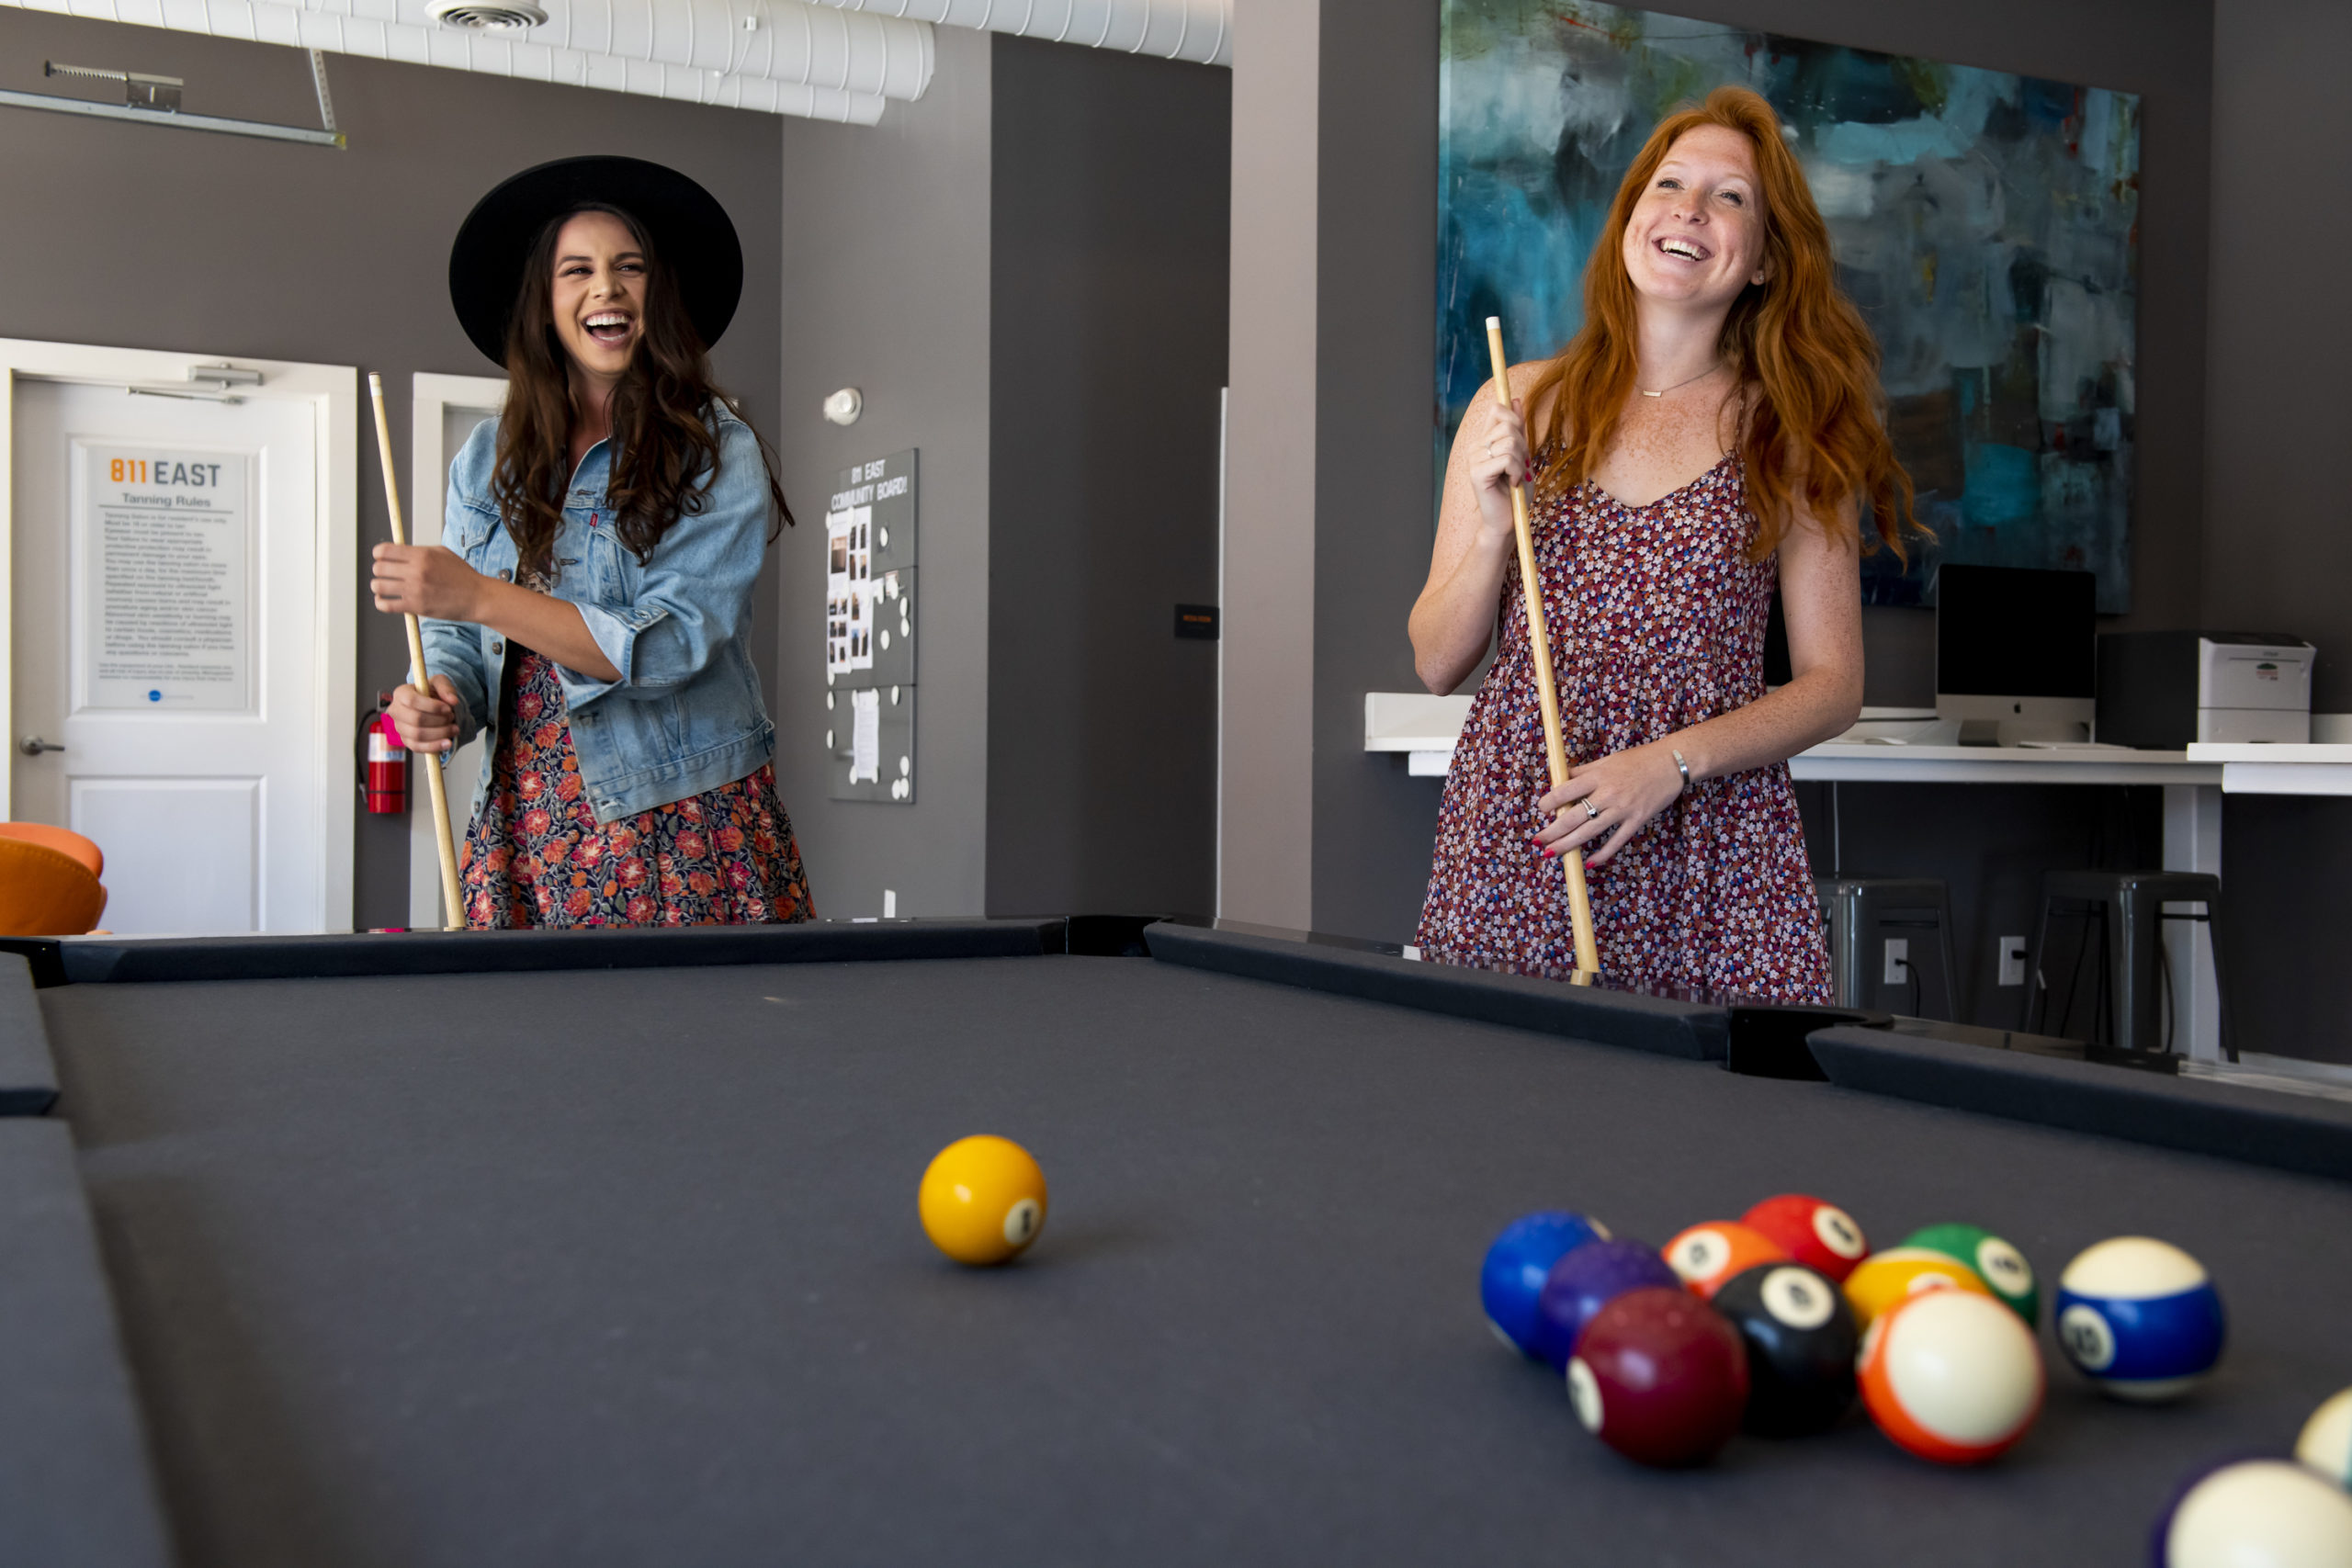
x=665, y=435
x=1814, y=432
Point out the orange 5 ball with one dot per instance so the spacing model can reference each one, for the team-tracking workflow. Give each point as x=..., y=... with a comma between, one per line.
x=982, y=1200
x=1708, y=1256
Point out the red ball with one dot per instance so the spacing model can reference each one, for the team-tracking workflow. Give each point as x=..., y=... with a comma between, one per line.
x=1820, y=1236
x=1659, y=1376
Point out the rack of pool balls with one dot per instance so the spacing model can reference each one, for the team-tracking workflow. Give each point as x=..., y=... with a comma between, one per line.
x=1779, y=1323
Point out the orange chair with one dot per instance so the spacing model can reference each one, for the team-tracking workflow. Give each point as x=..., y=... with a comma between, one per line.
x=62, y=839
x=46, y=892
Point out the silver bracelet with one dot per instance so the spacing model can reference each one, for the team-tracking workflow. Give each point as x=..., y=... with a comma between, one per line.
x=1679, y=763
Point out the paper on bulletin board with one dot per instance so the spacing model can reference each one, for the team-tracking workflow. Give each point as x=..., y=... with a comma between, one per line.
x=849, y=590
x=865, y=736
x=870, y=740
x=163, y=560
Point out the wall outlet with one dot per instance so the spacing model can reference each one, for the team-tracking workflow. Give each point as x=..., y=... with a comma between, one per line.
x=2013, y=961
x=1898, y=971
x=889, y=904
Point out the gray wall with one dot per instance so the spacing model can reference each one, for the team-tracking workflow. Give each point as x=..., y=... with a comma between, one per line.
x=1372, y=825
x=1266, y=701
x=2278, y=553
x=886, y=245
x=1112, y=178
x=148, y=237
x=1377, y=339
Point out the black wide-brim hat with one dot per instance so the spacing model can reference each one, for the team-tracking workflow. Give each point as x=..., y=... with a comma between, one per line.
x=691, y=232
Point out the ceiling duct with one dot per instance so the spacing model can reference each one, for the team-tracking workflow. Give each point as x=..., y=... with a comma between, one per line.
x=1198, y=30
x=488, y=16
x=775, y=40
x=790, y=58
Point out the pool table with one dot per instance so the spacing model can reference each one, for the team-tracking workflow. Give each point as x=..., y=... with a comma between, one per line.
x=602, y=1248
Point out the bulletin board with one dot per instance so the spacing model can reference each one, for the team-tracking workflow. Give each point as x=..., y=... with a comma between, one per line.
x=869, y=631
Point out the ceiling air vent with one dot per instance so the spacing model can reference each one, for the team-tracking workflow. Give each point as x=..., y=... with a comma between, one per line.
x=488, y=16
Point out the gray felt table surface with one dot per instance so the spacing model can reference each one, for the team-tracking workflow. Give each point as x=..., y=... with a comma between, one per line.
x=623, y=1268
x=76, y=1486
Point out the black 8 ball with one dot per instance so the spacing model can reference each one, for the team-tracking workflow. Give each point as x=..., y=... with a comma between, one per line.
x=1801, y=1341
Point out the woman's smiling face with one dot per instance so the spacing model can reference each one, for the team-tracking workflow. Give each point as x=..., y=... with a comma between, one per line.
x=1696, y=237
x=599, y=293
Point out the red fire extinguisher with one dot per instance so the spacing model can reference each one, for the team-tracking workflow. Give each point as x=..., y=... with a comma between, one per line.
x=386, y=780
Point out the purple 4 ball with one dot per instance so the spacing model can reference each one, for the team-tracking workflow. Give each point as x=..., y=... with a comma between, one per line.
x=1584, y=1281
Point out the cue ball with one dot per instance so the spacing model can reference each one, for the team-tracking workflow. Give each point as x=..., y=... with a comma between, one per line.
x=1660, y=1377
x=2140, y=1318
x=1951, y=1376
x=2326, y=1442
x=1708, y=1255
x=2001, y=1265
x=1887, y=1278
x=1583, y=1282
x=1822, y=1236
x=2261, y=1513
x=1510, y=1284
x=1801, y=1341
x=982, y=1200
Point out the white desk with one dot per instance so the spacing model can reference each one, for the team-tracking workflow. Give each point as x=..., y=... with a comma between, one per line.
x=2278, y=769
x=1425, y=728
x=1897, y=746
x=1871, y=761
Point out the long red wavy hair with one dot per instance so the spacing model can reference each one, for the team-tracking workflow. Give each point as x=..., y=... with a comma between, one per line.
x=1813, y=434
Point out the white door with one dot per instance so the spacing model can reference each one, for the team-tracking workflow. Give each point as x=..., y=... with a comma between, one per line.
x=173, y=665
x=443, y=414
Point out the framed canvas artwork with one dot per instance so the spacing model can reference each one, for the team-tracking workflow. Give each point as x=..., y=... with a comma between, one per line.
x=1986, y=223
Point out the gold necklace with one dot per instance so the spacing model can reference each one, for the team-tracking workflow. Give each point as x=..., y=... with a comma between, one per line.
x=1679, y=385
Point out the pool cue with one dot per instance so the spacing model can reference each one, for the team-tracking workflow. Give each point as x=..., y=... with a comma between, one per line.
x=453, y=905
x=1540, y=639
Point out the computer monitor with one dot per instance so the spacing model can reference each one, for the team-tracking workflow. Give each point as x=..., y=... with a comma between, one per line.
x=2017, y=653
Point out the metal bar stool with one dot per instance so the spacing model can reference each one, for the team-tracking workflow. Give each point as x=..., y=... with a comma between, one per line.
x=2122, y=914
x=1890, y=943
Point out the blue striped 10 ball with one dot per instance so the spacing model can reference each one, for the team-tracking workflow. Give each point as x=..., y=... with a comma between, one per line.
x=2139, y=1317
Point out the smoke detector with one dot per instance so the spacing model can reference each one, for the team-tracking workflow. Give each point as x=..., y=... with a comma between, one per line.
x=488, y=16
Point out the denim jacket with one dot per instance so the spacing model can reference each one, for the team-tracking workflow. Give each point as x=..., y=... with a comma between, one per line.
x=686, y=713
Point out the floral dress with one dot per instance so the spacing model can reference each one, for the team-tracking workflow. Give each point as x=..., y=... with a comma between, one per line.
x=1656, y=619
x=535, y=856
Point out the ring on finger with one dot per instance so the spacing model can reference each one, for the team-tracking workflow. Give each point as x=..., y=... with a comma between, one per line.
x=1592, y=812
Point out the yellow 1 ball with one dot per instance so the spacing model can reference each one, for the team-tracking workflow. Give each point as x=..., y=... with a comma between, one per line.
x=983, y=1199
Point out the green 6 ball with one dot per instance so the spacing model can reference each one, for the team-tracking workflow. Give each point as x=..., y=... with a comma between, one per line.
x=2001, y=1265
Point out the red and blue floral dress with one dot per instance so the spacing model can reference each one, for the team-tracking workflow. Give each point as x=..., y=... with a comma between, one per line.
x=535, y=856
x=1656, y=617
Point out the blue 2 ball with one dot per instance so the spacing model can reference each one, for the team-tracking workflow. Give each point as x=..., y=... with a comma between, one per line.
x=1516, y=1265
x=2140, y=1318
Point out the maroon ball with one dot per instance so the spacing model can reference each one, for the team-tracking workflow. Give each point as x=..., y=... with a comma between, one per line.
x=1660, y=1376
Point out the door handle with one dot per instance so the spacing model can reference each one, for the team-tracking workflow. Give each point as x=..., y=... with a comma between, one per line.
x=33, y=746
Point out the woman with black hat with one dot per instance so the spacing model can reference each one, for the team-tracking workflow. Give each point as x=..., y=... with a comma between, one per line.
x=591, y=605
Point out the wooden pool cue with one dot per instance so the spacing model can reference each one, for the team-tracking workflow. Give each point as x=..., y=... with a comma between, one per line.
x=453, y=905
x=1540, y=640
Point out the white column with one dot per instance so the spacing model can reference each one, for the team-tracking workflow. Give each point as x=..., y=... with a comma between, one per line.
x=2193, y=842
x=1266, y=684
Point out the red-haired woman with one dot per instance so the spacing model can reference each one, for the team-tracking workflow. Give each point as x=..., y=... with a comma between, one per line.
x=1713, y=430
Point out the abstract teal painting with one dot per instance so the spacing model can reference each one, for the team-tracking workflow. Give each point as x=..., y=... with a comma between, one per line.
x=1986, y=224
